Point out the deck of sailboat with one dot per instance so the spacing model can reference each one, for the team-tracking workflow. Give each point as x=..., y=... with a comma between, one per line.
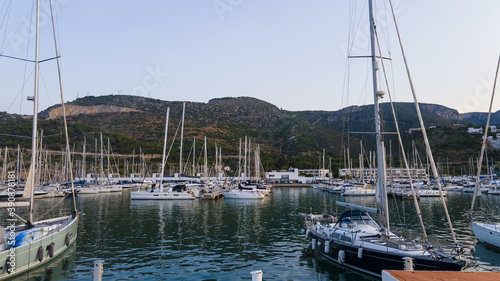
x=61, y=222
x=393, y=244
x=490, y=226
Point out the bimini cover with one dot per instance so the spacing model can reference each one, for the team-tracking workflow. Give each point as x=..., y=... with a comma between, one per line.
x=352, y=213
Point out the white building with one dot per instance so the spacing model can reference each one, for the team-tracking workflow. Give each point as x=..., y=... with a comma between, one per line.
x=294, y=175
x=472, y=130
x=394, y=173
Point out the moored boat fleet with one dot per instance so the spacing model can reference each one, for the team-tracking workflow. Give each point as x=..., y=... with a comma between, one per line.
x=402, y=189
x=353, y=239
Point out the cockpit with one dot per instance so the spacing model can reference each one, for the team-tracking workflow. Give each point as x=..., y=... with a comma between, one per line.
x=353, y=219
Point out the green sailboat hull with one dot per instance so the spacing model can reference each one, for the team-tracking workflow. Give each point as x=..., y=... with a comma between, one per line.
x=20, y=259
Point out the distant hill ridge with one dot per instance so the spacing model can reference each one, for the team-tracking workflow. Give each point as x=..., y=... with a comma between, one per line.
x=244, y=104
x=113, y=113
x=287, y=138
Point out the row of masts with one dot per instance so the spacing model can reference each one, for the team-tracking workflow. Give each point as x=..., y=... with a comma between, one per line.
x=416, y=162
x=52, y=166
x=106, y=163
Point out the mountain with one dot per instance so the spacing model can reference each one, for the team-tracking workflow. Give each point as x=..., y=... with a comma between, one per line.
x=361, y=118
x=284, y=139
x=479, y=118
x=16, y=129
x=287, y=138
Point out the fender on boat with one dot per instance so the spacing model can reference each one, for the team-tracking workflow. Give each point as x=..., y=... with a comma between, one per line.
x=50, y=249
x=67, y=239
x=40, y=254
x=341, y=257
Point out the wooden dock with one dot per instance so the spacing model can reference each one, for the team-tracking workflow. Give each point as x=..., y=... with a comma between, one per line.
x=401, y=275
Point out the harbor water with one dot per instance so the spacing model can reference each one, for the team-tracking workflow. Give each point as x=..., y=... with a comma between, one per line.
x=227, y=239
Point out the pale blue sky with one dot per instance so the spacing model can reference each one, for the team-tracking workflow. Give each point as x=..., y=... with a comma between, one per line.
x=286, y=52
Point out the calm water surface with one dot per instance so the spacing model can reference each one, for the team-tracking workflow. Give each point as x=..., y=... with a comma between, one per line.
x=226, y=239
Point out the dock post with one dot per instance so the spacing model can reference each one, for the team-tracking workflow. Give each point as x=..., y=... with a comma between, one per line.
x=408, y=263
x=256, y=275
x=98, y=269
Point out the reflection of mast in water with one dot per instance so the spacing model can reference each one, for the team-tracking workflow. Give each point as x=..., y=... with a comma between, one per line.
x=245, y=222
x=161, y=232
x=212, y=224
x=179, y=214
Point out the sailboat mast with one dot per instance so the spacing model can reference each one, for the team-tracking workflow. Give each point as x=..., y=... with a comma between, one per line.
x=239, y=163
x=35, y=114
x=109, y=165
x=480, y=161
x=361, y=163
x=194, y=150
x=381, y=181
x=182, y=136
x=95, y=161
x=4, y=170
x=83, y=158
x=205, y=165
x=101, y=175
x=245, y=160
x=323, y=158
x=133, y=160
x=18, y=163
x=164, y=150
x=216, y=161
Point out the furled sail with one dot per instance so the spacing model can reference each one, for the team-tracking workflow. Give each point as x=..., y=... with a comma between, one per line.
x=29, y=185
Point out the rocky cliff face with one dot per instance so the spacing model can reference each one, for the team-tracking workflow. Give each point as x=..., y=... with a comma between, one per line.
x=479, y=118
x=72, y=110
x=294, y=134
x=241, y=110
x=439, y=110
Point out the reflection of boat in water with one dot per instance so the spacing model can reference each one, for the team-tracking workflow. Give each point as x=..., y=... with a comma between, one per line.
x=334, y=271
x=244, y=192
x=57, y=269
x=176, y=192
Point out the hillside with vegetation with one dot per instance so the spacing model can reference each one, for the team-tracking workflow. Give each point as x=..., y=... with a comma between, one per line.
x=286, y=138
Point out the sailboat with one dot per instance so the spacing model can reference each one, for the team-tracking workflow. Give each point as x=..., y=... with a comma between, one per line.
x=174, y=192
x=31, y=243
x=241, y=190
x=487, y=230
x=357, y=241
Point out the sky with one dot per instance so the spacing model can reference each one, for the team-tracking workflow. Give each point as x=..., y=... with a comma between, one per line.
x=291, y=53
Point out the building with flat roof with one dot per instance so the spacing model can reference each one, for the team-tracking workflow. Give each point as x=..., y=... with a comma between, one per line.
x=394, y=173
x=297, y=175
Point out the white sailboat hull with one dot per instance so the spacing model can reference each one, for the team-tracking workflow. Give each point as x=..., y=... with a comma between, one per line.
x=359, y=192
x=431, y=193
x=88, y=190
x=244, y=194
x=487, y=233
x=167, y=195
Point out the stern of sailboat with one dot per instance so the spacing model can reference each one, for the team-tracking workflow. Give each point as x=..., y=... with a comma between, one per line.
x=60, y=234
